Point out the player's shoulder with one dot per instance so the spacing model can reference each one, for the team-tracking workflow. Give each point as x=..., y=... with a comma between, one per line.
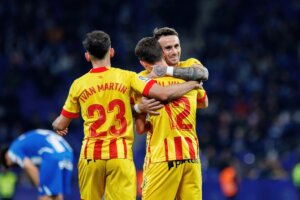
x=121, y=71
x=188, y=62
x=109, y=71
x=143, y=73
x=82, y=77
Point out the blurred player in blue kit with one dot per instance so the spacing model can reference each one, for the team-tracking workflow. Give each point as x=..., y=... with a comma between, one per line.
x=46, y=157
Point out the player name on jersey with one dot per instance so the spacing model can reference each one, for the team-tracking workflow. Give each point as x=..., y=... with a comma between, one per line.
x=103, y=87
x=165, y=83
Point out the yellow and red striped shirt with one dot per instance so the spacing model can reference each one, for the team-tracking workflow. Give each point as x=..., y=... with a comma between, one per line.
x=103, y=97
x=173, y=135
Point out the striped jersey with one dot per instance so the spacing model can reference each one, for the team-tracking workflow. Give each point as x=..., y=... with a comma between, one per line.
x=103, y=97
x=187, y=63
x=173, y=135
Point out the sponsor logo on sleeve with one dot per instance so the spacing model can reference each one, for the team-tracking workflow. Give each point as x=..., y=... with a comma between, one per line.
x=145, y=79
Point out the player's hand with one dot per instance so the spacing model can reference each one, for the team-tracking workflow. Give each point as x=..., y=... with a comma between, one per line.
x=62, y=132
x=150, y=106
x=198, y=85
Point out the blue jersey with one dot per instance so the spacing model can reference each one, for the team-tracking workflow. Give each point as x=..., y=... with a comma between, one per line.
x=53, y=155
x=37, y=144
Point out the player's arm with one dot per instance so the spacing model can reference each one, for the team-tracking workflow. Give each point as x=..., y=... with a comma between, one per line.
x=60, y=125
x=197, y=65
x=202, y=99
x=32, y=171
x=203, y=104
x=194, y=72
x=141, y=124
x=172, y=92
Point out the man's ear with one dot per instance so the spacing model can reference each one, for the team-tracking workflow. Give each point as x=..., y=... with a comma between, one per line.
x=112, y=52
x=87, y=56
x=143, y=63
x=146, y=65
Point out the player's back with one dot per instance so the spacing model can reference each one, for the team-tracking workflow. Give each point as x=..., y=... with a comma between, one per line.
x=104, y=101
x=36, y=144
x=104, y=98
x=173, y=134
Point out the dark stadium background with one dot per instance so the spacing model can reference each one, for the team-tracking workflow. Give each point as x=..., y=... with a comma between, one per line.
x=252, y=51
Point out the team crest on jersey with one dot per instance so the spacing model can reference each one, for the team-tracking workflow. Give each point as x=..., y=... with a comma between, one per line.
x=144, y=78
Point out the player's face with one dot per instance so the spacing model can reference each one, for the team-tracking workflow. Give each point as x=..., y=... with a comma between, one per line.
x=171, y=49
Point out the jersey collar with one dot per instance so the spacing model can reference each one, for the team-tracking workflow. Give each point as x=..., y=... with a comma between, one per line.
x=99, y=69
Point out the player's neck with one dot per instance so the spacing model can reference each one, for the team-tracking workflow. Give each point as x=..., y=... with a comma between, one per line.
x=101, y=63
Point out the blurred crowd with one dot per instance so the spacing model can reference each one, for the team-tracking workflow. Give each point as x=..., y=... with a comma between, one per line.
x=251, y=48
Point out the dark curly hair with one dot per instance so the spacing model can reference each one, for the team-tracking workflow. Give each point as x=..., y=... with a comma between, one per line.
x=149, y=50
x=164, y=31
x=97, y=43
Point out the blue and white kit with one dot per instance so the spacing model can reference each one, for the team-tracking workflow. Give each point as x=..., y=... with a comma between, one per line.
x=51, y=153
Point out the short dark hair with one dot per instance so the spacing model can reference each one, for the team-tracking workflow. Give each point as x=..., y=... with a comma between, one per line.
x=97, y=43
x=3, y=151
x=148, y=49
x=165, y=31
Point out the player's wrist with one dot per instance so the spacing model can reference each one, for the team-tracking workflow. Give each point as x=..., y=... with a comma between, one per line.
x=170, y=71
x=136, y=108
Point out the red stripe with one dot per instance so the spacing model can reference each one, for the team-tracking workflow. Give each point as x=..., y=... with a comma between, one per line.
x=69, y=114
x=178, y=148
x=125, y=147
x=201, y=100
x=113, y=150
x=98, y=149
x=99, y=69
x=148, y=87
x=85, y=148
x=191, y=147
x=149, y=150
x=166, y=150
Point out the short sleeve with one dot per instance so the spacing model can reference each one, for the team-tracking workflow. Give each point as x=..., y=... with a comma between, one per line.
x=71, y=107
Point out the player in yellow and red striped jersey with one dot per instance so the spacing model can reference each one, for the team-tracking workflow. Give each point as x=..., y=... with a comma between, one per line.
x=172, y=166
x=168, y=39
x=102, y=96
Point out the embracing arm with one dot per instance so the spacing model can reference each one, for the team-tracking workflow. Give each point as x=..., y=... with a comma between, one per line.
x=172, y=92
x=191, y=73
x=195, y=72
x=141, y=124
x=203, y=104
